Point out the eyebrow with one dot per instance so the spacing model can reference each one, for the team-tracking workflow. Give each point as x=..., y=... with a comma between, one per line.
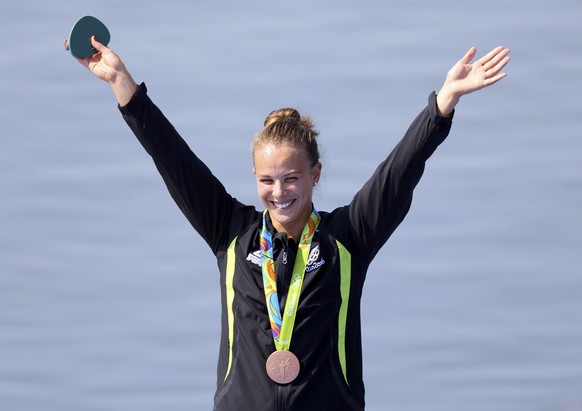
x=292, y=173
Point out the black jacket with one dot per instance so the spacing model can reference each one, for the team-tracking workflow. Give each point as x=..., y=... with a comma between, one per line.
x=327, y=333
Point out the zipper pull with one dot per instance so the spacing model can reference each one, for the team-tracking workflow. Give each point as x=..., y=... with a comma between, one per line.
x=284, y=257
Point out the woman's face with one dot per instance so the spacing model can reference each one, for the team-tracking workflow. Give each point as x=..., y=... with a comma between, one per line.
x=285, y=181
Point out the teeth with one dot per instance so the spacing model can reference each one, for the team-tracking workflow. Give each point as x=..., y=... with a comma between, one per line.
x=282, y=205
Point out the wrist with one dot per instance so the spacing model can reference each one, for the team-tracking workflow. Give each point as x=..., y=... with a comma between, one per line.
x=123, y=87
x=446, y=101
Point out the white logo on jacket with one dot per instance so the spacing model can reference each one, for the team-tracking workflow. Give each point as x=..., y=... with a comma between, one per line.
x=255, y=258
x=312, y=260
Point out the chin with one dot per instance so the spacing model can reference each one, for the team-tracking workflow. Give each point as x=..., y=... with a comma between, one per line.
x=284, y=216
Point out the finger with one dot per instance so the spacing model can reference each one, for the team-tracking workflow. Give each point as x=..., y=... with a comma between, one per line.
x=494, y=79
x=498, y=67
x=84, y=62
x=487, y=57
x=98, y=46
x=469, y=55
x=496, y=59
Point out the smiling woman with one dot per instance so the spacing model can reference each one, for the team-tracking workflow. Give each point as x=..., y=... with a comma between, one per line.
x=287, y=167
x=286, y=174
x=292, y=277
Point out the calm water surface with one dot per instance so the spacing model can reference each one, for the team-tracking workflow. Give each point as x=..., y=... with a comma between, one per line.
x=109, y=300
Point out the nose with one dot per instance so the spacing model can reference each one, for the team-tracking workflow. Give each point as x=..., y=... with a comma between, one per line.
x=279, y=189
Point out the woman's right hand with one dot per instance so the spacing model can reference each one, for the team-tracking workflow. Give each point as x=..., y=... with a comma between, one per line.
x=107, y=66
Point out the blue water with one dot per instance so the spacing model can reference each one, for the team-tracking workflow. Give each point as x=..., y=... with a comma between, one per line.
x=109, y=300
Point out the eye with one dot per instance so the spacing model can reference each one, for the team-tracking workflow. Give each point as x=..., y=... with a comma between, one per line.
x=266, y=181
x=291, y=179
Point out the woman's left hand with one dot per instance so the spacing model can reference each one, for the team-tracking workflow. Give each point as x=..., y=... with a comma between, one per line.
x=466, y=77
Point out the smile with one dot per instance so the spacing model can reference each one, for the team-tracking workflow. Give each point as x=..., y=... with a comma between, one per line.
x=282, y=206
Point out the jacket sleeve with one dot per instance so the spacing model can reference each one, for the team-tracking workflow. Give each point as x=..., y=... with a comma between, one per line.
x=384, y=200
x=197, y=192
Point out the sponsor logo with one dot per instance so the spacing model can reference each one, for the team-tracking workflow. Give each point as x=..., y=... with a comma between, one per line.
x=313, y=261
x=255, y=257
x=314, y=266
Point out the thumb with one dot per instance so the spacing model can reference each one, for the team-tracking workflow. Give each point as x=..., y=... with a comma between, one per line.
x=469, y=55
x=98, y=46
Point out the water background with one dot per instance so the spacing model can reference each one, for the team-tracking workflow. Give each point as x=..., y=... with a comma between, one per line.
x=110, y=301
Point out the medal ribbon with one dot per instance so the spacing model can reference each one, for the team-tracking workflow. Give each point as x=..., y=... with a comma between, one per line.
x=283, y=327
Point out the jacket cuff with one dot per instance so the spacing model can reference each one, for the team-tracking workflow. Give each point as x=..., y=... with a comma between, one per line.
x=137, y=101
x=433, y=109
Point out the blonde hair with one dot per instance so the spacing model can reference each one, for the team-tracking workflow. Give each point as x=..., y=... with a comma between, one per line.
x=287, y=126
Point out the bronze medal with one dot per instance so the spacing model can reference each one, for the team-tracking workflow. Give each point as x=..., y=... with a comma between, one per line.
x=282, y=367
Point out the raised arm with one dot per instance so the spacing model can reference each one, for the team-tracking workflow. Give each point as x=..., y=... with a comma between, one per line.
x=197, y=192
x=383, y=202
x=107, y=66
x=466, y=77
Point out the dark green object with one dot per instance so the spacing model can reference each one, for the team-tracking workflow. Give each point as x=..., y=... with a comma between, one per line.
x=79, y=42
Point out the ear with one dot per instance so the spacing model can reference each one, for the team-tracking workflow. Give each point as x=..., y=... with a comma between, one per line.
x=254, y=171
x=316, y=172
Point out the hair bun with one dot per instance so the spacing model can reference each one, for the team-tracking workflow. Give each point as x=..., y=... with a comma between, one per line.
x=281, y=115
x=287, y=126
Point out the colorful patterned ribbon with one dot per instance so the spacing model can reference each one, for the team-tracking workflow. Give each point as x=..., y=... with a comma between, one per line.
x=283, y=328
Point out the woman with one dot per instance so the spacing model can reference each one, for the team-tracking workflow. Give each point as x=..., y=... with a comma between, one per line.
x=292, y=277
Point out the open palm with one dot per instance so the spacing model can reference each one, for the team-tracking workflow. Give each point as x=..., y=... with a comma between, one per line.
x=465, y=77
